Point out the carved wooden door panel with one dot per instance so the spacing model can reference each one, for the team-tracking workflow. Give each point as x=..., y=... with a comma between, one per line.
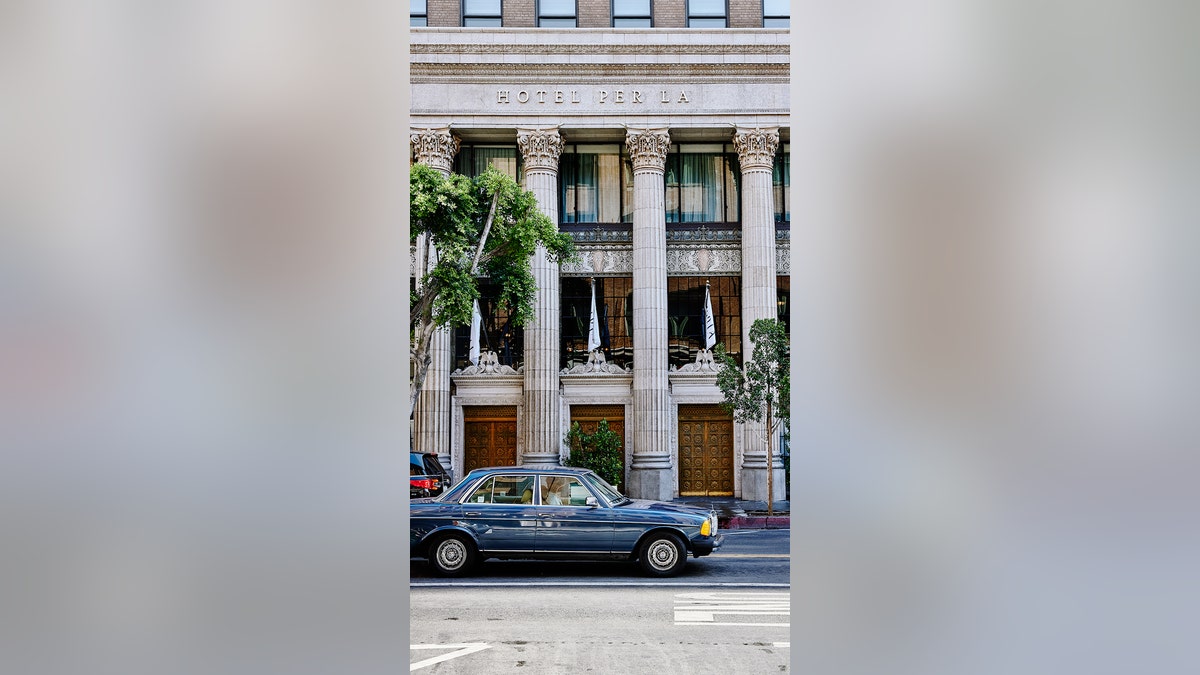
x=705, y=451
x=489, y=436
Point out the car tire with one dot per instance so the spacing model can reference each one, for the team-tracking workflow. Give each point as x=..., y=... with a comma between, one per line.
x=452, y=555
x=662, y=555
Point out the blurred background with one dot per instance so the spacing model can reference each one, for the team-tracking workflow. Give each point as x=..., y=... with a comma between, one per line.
x=203, y=363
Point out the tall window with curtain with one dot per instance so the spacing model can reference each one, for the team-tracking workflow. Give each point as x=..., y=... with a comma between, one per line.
x=499, y=334
x=593, y=184
x=702, y=184
x=685, y=316
x=473, y=160
x=614, y=304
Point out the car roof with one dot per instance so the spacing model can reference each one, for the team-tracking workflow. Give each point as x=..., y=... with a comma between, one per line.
x=573, y=470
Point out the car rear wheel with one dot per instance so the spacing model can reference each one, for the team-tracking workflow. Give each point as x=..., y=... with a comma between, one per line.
x=452, y=555
x=662, y=555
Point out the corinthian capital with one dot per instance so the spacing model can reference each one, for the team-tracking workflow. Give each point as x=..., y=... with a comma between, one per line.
x=540, y=149
x=435, y=148
x=756, y=147
x=648, y=148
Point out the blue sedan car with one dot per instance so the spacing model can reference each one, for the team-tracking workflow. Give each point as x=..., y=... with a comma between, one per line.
x=554, y=513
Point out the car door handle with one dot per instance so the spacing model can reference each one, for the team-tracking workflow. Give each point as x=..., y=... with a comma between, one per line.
x=472, y=513
x=545, y=515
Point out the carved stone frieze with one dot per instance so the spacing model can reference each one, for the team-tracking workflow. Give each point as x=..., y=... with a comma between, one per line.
x=596, y=364
x=435, y=148
x=711, y=259
x=489, y=364
x=605, y=260
x=598, y=74
x=540, y=149
x=648, y=148
x=704, y=364
x=783, y=258
x=756, y=147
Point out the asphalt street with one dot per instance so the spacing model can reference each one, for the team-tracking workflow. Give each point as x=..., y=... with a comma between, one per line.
x=727, y=613
x=747, y=557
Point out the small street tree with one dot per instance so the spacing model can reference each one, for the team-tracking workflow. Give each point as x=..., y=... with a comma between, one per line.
x=473, y=229
x=599, y=451
x=761, y=391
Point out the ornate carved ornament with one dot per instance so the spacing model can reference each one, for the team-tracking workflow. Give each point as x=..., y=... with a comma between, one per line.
x=715, y=259
x=783, y=259
x=648, y=148
x=435, y=147
x=489, y=364
x=601, y=74
x=605, y=260
x=704, y=365
x=596, y=365
x=540, y=149
x=756, y=147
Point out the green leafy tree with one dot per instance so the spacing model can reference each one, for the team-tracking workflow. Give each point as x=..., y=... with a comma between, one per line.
x=470, y=230
x=599, y=451
x=760, y=392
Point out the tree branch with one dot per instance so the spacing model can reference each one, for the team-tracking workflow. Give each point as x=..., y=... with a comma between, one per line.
x=487, y=227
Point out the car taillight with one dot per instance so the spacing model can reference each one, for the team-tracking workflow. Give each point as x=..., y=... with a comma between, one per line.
x=426, y=483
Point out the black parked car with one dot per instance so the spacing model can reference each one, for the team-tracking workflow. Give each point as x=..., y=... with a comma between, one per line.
x=427, y=477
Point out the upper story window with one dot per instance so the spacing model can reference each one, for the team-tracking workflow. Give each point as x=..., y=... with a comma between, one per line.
x=595, y=184
x=702, y=184
x=685, y=316
x=631, y=14
x=556, y=14
x=481, y=14
x=776, y=14
x=614, y=307
x=498, y=333
x=707, y=14
x=781, y=183
x=418, y=13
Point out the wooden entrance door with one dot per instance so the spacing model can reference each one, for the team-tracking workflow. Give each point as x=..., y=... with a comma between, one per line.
x=489, y=436
x=705, y=451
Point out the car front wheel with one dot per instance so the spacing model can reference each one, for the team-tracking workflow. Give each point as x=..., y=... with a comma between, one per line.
x=452, y=555
x=662, y=555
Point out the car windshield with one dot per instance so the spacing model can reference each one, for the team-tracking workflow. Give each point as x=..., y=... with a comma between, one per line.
x=610, y=493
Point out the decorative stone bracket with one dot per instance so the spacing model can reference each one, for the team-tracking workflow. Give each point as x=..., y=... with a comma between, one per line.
x=704, y=364
x=489, y=364
x=596, y=364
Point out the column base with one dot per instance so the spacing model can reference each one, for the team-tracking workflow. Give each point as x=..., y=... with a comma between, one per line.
x=539, y=459
x=657, y=484
x=754, y=484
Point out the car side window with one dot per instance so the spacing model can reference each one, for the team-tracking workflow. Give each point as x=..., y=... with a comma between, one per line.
x=415, y=469
x=504, y=490
x=563, y=491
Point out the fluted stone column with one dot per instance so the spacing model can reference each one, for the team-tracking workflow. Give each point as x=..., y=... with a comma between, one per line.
x=431, y=421
x=756, y=153
x=542, y=429
x=651, y=472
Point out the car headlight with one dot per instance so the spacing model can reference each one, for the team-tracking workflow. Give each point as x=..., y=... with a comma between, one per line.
x=706, y=528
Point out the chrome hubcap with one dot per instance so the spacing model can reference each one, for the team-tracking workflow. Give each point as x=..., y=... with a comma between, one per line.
x=451, y=554
x=662, y=555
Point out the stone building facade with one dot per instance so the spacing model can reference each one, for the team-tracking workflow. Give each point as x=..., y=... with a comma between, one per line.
x=665, y=154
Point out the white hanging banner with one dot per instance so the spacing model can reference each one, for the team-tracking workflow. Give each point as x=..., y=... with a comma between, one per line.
x=593, y=325
x=710, y=326
x=476, y=324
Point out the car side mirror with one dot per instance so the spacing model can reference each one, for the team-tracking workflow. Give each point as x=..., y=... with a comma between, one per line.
x=591, y=502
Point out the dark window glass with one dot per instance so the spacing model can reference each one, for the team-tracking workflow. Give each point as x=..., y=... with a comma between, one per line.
x=556, y=23
x=706, y=8
x=685, y=316
x=498, y=333
x=478, y=22
x=776, y=22
x=614, y=305
x=706, y=23
x=781, y=184
x=473, y=159
x=783, y=292
x=776, y=14
x=418, y=15
x=632, y=23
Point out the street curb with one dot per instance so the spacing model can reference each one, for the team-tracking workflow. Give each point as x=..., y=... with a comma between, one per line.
x=754, y=523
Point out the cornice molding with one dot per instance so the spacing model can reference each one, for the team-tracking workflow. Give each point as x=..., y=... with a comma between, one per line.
x=599, y=73
x=593, y=48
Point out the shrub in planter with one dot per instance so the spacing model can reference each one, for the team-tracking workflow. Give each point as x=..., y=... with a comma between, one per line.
x=599, y=451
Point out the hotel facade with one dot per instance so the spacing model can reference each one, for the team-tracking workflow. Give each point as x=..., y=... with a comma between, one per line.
x=656, y=134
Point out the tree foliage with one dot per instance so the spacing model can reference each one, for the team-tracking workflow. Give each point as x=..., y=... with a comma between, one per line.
x=761, y=391
x=599, y=451
x=470, y=230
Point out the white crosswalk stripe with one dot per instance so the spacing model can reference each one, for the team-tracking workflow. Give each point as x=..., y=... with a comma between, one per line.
x=732, y=609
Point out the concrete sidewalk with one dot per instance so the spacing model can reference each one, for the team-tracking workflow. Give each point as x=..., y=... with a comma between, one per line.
x=732, y=514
